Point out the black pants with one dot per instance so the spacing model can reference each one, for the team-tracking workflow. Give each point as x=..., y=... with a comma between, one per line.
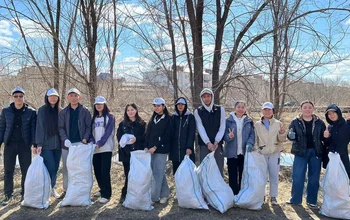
x=235, y=170
x=102, y=169
x=25, y=158
x=126, y=166
x=176, y=165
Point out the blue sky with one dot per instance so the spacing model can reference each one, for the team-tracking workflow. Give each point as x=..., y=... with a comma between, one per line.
x=134, y=55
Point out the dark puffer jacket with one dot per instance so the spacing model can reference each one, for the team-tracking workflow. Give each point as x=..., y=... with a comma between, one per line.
x=184, y=131
x=339, y=139
x=299, y=146
x=28, y=124
x=138, y=129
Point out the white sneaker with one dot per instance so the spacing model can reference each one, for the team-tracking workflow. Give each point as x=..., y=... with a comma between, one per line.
x=103, y=200
x=98, y=194
x=175, y=197
x=163, y=200
x=55, y=194
x=274, y=201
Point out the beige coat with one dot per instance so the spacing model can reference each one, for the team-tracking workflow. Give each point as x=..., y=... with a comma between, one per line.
x=271, y=138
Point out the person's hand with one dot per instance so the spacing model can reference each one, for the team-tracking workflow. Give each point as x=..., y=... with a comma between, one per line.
x=38, y=150
x=210, y=146
x=34, y=150
x=133, y=140
x=152, y=149
x=231, y=134
x=216, y=144
x=188, y=152
x=84, y=141
x=326, y=133
x=96, y=146
x=291, y=134
x=249, y=147
x=67, y=143
x=282, y=129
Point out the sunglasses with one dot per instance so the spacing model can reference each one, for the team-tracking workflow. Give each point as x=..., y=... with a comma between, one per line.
x=18, y=96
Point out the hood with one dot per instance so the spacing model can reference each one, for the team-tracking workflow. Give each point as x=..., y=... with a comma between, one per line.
x=176, y=110
x=314, y=117
x=208, y=91
x=335, y=108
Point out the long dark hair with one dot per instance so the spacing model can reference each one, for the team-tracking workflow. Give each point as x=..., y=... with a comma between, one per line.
x=51, y=117
x=127, y=120
x=105, y=112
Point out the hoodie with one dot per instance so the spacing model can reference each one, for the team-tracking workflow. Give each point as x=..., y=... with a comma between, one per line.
x=210, y=121
x=184, y=130
x=339, y=138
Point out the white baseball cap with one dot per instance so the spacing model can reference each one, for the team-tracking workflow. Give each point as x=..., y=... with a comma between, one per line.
x=158, y=101
x=18, y=89
x=100, y=100
x=181, y=101
x=268, y=105
x=52, y=92
x=73, y=90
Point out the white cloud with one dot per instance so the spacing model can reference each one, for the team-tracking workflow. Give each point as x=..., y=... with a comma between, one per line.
x=5, y=28
x=5, y=41
x=347, y=22
x=32, y=29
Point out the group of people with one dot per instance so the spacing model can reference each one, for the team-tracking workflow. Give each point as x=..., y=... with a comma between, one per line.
x=52, y=131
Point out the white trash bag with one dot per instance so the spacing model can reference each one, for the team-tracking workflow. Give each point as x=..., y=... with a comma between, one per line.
x=336, y=189
x=37, y=185
x=251, y=195
x=216, y=191
x=80, y=179
x=138, y=194
x=188, y=190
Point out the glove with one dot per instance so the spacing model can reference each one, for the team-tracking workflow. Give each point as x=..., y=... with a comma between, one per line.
x=67, y=143
x=249, y=147
x=291, y=134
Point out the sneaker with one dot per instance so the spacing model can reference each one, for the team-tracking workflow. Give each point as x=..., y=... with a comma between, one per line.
x=264, y=200
x=175, y=196
x=274, y=201
x=312, y=206
x=55, y=194
x=103, y=200
x=163, y=200
x=6, y=201
x=152, y=203
x=98, y=194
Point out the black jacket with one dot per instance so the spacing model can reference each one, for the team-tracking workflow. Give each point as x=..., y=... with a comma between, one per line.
x=159, y=134
x=138, y=130
x=299, y=145
x=339, y=138
x=184, y=130
x=28, y=124
x=42, y=137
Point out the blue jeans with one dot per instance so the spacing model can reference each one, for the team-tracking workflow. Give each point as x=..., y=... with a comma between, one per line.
x=160, y=186
x=52, y=161
x=313, y=163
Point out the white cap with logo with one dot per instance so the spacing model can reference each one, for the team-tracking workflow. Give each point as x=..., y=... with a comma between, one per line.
x=100, y=100
x=158, y=101
x=52, y=92
x=181, y=101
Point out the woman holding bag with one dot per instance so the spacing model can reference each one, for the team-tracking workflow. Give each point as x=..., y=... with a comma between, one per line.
x=135, y=127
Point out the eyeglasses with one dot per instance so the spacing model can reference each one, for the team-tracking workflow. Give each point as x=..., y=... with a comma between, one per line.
x=18, y=96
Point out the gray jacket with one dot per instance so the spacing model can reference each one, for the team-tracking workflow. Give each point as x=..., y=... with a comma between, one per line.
x=84, y=123
x=41, y=137
x=248, y=136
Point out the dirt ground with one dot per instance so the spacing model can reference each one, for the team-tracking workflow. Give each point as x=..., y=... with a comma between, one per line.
x=171, y=210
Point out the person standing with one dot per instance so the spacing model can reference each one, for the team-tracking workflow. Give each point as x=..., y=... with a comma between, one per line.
x=306, y=132
x=269, y=136
x=47, y=137
x=17, y=132
x=103, y=128
x=74, y=126
x=184, y=131
x=132, y=125
x=158, y=142
x=337, y=136
x=210, y=120
x=239, y=137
